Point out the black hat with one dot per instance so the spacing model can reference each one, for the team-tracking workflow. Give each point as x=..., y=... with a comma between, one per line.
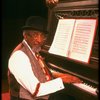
x=36, y=23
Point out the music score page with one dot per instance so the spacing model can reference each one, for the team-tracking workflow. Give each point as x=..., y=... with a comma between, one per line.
x=74, y=38
x=62, y=37
x=82, y=40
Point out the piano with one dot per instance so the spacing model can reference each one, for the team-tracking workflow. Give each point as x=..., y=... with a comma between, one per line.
x=88, y=73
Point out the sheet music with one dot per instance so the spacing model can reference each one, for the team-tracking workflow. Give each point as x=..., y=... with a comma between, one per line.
x=62, y=37
x=82, y=39
x=74, y=38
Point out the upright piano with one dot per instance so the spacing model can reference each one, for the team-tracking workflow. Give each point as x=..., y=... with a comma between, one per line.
x=88, y=73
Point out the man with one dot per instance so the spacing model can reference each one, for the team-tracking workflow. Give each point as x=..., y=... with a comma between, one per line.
x=29, y=78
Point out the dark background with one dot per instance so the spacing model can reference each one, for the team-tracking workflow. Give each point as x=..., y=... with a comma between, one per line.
x=14, y=15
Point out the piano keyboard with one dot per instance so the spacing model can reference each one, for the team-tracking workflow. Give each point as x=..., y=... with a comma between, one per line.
x=86, y=87
x=83, y=86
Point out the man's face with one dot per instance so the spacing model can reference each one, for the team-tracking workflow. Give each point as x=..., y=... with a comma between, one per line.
x=36, y=39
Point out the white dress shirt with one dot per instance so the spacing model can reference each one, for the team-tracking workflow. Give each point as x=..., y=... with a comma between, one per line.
x=20, y=66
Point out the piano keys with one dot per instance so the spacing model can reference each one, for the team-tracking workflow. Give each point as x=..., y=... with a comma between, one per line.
x=85, y=88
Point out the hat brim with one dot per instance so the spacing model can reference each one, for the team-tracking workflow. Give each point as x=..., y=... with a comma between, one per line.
x=33, y=28
x=28, y=27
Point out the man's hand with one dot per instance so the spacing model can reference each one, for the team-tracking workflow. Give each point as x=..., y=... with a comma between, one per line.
x=67, y=78
x=51, y=3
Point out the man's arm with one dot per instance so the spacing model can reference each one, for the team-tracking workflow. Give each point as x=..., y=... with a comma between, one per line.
x=20, y=67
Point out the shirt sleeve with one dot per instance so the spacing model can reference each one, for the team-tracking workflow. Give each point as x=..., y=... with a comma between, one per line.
x=50, y=87
x=20, y=67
